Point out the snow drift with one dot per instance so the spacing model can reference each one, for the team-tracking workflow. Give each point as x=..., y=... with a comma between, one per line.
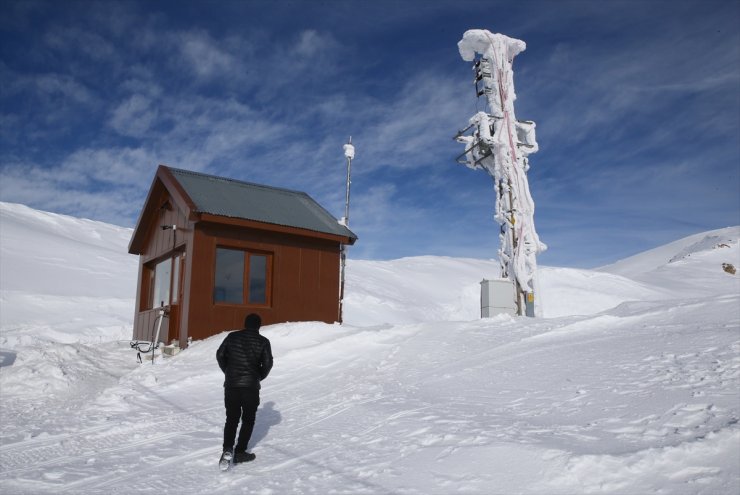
x=629, y=385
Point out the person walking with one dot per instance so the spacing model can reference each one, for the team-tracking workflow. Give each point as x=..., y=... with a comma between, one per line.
x=245, y=357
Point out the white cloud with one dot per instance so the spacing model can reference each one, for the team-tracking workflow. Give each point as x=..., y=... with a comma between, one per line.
x=111, y=167
x=74, y=41
x=203, y=55
x=68, y=190
x=60, y=85
x=417, y=127
x=134, y=116
x=311, y=43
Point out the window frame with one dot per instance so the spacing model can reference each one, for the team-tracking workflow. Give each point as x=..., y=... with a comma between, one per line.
x=150, y=280
x=246, y=269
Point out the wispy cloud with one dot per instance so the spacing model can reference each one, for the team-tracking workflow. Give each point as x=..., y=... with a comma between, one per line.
x=203, y=56
x=76, y=41
x=135, y=116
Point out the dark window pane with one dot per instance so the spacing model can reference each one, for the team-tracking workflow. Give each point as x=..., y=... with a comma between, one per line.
x=229, y=286
x=257, y=279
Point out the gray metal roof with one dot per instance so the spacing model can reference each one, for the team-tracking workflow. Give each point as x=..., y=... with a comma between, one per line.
x=237, y=199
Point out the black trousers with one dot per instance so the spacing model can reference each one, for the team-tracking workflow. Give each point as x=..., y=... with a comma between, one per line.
x=240, y=403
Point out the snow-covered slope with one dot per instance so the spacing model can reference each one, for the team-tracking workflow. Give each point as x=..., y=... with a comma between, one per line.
x=629, y=385
x=689, y=265
x=432, y=288
x=51, y=254
x=63, y=279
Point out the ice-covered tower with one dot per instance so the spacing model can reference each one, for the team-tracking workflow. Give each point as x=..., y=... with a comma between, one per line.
x=495, y=141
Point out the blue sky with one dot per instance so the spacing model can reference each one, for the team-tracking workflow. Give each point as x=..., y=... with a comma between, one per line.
x=637, y=105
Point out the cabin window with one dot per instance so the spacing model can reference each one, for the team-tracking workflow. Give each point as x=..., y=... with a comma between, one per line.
x=163, y=276
x=229, y=276
x=175, y=277
x=242, y=277
x=257, y=279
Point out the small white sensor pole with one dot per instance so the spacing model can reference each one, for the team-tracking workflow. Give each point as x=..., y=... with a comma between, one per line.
x=349, y=154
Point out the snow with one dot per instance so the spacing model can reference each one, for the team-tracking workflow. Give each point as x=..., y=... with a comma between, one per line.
x=349, y=151
x=628, y=385
x=674, y=251
x=480, y=41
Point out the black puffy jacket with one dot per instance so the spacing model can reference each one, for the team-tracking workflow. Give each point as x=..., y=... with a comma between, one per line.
x=245, y=357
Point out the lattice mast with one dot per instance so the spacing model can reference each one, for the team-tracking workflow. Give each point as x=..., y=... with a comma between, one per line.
x=500, y=145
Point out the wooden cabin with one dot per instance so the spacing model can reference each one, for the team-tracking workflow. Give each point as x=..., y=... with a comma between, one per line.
x=212, y=250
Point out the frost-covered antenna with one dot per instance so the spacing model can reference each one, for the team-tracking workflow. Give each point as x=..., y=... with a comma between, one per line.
x=500, y=145
x=349, y=154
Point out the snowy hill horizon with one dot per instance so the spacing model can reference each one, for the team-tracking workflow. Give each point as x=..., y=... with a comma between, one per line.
x=628, y=384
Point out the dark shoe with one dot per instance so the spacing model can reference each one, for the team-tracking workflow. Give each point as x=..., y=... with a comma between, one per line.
x=244, y=457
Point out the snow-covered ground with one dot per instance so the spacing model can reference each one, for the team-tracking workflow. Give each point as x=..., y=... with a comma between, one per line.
x=628, y=385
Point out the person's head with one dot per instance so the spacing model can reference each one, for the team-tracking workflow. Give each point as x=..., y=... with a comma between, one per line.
x=252, y=322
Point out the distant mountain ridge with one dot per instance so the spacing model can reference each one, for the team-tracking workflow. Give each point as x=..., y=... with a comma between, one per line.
x=672, y=252
x=45, y=254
